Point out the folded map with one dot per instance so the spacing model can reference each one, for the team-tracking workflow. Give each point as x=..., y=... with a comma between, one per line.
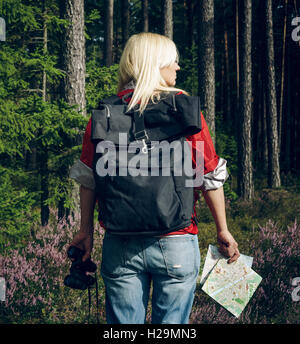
x=212, y=257
x=232, y=285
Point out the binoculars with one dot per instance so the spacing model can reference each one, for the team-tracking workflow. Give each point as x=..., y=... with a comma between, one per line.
x=78, y=277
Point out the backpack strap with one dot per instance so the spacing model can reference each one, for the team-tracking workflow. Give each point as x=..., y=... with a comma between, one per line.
x=140, y=132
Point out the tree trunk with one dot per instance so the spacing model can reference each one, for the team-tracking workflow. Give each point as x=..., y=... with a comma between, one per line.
x=125, y=21
x=227, y=108
x=74, y=88
x=109, y=32
x=145, y=16
x=265, y=133
x=44, y=173
x=168, y=18
x=273, y=168
x=190, y=23
x=75, y=55
x=206, y=77
x=245, y=180
x=282, y=79
x=289, y=114
x=237, y=54
x=295, y=118
x=45, y=41
x=257, y=123
x=43, y=154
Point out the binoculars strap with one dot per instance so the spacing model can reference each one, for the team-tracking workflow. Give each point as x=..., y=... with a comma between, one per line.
x=97, y=301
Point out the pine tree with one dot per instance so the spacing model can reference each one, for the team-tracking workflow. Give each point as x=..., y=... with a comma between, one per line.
x=245, y=180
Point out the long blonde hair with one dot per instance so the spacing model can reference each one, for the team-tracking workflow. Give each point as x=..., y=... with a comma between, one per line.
x=143, y=56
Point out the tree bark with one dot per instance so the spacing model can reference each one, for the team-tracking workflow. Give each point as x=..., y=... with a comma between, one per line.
x=190, y=23
x=75, y=68
x=109, y=32
x=273, y=168
x=237, y=54
x=245, y=180
x=206, y=77
x=282, y=79
x=45, y=48
x=227, y=107
x=289, y=115
x=43, y=154
x=75, y=55
x=44, y=174
x=265, y=133
x=145, y=15
x=168, y=18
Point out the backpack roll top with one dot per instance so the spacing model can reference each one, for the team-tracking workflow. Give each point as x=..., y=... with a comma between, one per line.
x=171, y=118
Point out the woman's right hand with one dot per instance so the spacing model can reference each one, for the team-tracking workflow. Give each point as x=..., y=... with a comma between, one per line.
x=84, y=241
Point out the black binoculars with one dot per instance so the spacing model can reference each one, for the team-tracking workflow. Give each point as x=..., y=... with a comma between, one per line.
x=78, y=278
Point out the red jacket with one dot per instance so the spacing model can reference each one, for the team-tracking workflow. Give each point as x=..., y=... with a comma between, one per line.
x=211, y=159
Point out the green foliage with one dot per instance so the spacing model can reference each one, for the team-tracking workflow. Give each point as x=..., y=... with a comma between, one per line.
x=11, y=78
x=16, y=204
x=101, y=82
x=52, y=127
x=226, y=147
x=188, y=75
x=21, y=17
x=16, y=128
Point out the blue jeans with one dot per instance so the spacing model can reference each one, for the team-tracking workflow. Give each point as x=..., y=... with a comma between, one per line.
x=129, y=264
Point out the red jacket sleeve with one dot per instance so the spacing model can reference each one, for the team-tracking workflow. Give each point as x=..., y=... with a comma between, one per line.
x=210, y=156
x=87, y=153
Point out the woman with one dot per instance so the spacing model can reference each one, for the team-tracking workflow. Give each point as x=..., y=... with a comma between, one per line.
x=148, y=68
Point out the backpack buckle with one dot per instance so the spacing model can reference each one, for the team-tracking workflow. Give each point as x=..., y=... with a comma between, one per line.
x=145, y=147
x=141, y=136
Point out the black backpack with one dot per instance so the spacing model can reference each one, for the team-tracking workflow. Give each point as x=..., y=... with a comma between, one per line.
x=139, y=171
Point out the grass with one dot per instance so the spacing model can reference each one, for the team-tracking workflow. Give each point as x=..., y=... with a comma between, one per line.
x=244, y=220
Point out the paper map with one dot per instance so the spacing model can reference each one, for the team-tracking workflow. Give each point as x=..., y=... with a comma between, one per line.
x=212, y=257
x=232, y=285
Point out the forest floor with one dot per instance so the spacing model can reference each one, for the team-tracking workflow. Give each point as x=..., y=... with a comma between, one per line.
x=266, y=228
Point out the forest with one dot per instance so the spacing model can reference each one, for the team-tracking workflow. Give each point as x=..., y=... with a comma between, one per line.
x=59, y=58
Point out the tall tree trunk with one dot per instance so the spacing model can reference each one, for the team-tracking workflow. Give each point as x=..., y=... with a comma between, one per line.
x=245, y=180
x=125, y=21
x=206, y=77
x=289, y=114
x=109, y=32
x=74, y=88
x=227, y=116
x=168, y=18
x=295, y=142
x=237, y=54
x=273, y=168
x=296, y=128
x=190, y=23
x=265, y=152
x=282, y=78
x=263, y=137
x=75, y=55
x=44, y=173
x=45, y=48
x=257, y=123
x=43, y=154
x=145, y=15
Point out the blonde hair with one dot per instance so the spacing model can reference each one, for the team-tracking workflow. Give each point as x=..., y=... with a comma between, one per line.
x=143, y=56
